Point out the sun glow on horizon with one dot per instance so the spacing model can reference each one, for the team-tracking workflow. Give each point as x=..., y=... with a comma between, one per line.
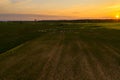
x=117, y=16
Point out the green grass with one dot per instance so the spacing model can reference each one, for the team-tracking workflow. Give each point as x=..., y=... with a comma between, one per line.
x=13, y=34
x=110, y=25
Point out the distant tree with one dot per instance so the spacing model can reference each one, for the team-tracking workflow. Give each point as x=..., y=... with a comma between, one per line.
x=35, y=20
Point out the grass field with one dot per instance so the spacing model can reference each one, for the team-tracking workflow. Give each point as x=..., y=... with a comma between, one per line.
x=59, y=51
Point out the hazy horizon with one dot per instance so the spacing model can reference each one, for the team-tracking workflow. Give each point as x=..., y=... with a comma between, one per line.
x=32, y=17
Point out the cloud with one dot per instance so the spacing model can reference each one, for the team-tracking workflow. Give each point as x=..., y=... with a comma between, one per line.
x=19, y=1
x=16, y=1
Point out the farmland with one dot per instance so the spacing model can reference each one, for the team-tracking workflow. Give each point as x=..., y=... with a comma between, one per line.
x=59, y=51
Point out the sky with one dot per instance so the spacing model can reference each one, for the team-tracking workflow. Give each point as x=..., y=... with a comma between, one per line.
x=73, y=9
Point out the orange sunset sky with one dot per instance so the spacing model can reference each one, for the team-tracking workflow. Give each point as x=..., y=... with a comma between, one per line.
x=67, y=8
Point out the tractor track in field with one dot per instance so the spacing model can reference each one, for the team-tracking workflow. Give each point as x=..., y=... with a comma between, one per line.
x=15, y=62
x=110, y=61
x=95, y=64
x=51, y=58
x=51, y=64
x=105, y=61
x=86, y=68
